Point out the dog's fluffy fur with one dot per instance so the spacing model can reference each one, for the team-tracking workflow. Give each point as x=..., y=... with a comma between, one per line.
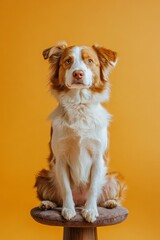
x=77, y=174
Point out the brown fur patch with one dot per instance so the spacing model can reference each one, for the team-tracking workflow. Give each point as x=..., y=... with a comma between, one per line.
x=106, y=56
x=54, y=55
x=114, y=189
x=63, y=66
x=88, y=54
x=47, y=187
x=107, y=60
x=51, y=157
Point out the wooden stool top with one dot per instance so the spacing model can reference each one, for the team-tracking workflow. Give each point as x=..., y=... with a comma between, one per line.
x=54, y=218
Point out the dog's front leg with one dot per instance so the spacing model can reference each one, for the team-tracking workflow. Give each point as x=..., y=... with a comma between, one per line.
x=62, y=170
x=90, y=211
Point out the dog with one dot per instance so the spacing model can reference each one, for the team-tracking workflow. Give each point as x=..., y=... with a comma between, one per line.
x=78, y=166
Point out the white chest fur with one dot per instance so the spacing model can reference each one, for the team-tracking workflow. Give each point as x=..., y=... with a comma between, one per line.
x=79, y=137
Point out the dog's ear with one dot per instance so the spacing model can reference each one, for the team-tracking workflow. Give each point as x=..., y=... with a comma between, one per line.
x=107, y=58
x=46, y=53
x=53, y=53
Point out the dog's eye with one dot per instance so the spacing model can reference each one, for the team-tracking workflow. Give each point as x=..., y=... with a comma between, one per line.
x=68, y=61
x=90, y=61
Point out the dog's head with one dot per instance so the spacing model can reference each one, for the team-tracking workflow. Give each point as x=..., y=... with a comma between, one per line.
x=79, y=66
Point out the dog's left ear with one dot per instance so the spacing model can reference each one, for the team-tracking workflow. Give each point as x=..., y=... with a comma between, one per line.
x=107, y=58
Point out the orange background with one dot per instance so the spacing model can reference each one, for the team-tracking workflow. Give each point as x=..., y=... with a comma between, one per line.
x=132, y=28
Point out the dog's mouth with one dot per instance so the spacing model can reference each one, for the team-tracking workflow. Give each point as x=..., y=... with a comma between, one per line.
x=78, y=84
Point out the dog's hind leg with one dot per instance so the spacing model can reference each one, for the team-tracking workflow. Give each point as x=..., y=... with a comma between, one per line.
x=47, y=190
x=46, y=205
x=113, y=192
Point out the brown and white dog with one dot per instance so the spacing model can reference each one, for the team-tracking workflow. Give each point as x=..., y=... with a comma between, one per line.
x=77, y=174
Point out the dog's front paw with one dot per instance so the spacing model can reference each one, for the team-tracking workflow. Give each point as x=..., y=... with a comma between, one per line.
x=46, y=205
x=68, y=213
x=90, y=215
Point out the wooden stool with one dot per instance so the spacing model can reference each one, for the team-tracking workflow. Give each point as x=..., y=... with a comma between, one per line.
x=77, y=228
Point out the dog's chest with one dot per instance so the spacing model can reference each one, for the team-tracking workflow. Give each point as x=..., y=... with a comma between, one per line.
x=78, y=135
x=79, y=121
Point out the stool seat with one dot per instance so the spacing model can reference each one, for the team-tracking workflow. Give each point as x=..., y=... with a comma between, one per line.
x=54, y=217
x=77, y=228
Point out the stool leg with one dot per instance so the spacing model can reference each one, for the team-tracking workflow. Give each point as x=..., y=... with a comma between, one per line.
x=85, y=233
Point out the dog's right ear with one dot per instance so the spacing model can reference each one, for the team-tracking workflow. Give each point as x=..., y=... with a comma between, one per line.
x=46, y=53
x=54, y=52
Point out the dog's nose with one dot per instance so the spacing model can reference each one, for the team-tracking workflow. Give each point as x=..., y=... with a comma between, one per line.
x=78, y=74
